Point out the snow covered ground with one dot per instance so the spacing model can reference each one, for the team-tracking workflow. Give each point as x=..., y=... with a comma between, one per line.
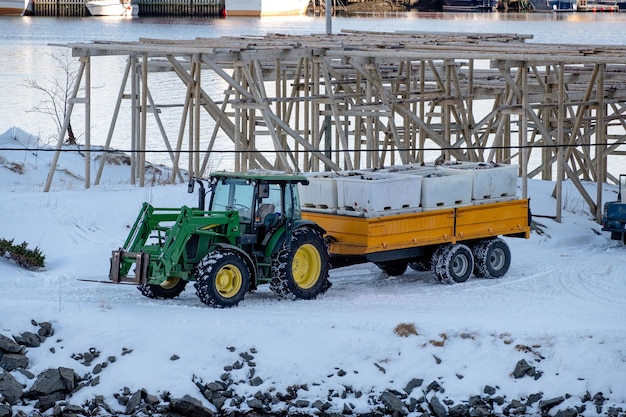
x=561, y=306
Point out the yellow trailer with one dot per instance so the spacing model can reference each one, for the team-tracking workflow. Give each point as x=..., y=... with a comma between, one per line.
x=452, y=242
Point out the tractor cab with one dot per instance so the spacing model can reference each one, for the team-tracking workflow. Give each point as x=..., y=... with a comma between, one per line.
x=264, y=202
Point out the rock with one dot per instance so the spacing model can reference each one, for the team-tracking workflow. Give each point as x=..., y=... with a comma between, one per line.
x=28, y=339
x=480, y=411
x=9, y=345
x=434, y=386
x=255, y=404
x=10, y=389
x=28, y=374
x=533, y=398
x=489, y=390
x=522, y=369
x=256, y=381
x=413, y=383
x=302, y=403
x=393, y=403
x=53, y=380
x=515, y=407
x=5, y=411
x=546, y=405
x=133, y=402
x=45, y=329
x=46, y=402
x=73, y=410
x=69, y=378
x=321, y=405
x=437, y=408
x=460, y=410
x=190, y=407
x=568, y=412
x=13, y=361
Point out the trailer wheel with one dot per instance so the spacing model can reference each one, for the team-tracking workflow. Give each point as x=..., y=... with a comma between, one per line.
x=492, y=258
x=423, y=264
x=222, y=279
x=170, y=288
x=452, y=263
x=393, y=268
x=300, y=270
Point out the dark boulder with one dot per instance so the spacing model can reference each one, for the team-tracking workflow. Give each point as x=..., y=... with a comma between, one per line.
x=13, y=361
x=522, y=368
x=10, y=389
x=28, y=339
x=9, y=345
x=393, y=403
x=53, y=380
x=189, y=406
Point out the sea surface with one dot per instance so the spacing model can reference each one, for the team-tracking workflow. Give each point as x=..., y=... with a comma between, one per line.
x=31, y=48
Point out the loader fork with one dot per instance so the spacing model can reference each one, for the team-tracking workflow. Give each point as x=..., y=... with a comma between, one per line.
x=142, y=260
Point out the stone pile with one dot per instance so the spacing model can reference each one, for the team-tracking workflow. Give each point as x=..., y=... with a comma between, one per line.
x=51, y=393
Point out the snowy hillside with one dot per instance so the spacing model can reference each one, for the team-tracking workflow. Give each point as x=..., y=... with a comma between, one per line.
x=561, y=308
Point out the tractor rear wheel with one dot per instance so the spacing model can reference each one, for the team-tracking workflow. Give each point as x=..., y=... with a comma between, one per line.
x=300, y=267
x=452, y=263
x=393, y=268
x=170, y=288
x=222, y=278
x=492, y=257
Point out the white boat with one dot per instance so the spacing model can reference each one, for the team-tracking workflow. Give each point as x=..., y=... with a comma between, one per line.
x=265, y=7
x=12, y=7
x=111, y=8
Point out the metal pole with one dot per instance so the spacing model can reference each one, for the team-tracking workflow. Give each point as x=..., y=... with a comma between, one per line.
x=329, y=10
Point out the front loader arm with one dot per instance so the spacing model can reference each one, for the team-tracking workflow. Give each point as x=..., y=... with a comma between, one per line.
x=158, y=261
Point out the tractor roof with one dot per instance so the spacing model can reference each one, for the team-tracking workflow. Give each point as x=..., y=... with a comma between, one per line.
x=273, y=177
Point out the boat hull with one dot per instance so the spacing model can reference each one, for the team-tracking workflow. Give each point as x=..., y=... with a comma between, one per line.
x=110, y=8
x=470, y=5
x=256, y=8
x=12, y=7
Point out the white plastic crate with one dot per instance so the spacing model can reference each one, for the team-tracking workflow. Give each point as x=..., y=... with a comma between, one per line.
x=320, y=194
x=490, y=181
x=377, y=194
x=445, y=188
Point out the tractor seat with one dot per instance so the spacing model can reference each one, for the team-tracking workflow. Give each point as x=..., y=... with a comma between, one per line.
x=271, y=221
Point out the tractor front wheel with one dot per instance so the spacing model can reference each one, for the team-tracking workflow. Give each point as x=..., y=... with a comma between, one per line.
x=300, y=267
x=222, y=279
x=170, y=288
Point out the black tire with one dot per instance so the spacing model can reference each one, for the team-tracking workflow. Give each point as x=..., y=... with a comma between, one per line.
x=300, y=270
x=222, y=278
x=170, y=288
x=453, y=263
x=393, y=268
x=492, y=258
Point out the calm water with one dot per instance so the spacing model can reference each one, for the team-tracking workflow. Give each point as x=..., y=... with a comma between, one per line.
x=26, y=48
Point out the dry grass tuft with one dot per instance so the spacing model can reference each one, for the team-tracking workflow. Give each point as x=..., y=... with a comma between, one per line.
x=439, y=343
x=405, y=329
x=13, y=166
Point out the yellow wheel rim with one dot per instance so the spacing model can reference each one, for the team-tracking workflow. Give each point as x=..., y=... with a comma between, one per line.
x=307, y=266
x=170, y=283
x=228, y=281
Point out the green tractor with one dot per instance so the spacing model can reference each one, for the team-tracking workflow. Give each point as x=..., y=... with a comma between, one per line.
x=252, y=233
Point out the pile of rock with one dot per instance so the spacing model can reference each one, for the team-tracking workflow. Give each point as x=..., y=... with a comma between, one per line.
x=52, y=390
